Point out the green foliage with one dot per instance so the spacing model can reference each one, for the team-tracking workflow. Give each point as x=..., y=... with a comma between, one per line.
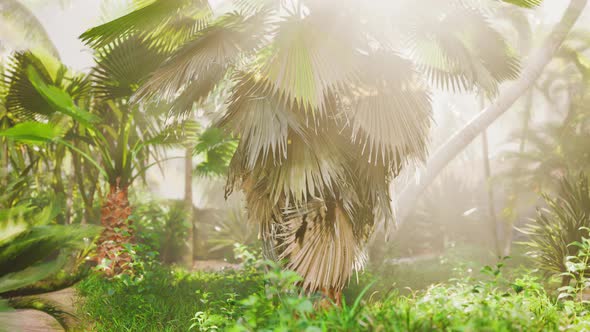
x=217, y=148
x=164, y=299
x=555, y=148
x=30, y=252
x=229, y=229
x=557, y=226
x=255, y=300
x=33, y=132
x=37, y=257
x=490, y=304
x=162, y=227
x=578, y=267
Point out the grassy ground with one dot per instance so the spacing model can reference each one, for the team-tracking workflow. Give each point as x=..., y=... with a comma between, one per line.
x=262, y=298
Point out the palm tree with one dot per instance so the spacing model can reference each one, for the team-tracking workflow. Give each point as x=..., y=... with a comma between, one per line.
x=116, y=137
x=329, y=102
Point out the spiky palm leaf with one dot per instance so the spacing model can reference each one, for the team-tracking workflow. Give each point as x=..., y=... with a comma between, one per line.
x=202, y=62
x=552, y=231
x=22, y=99
x=143, y=19
x=122, y=65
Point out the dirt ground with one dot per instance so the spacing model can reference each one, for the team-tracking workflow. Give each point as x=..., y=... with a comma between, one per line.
x=37, y=321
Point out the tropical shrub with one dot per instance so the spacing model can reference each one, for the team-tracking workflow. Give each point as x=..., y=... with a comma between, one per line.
x=162, y=227
x=38, y=257
x=560, y=224
x=228, y=228
x=578, y=269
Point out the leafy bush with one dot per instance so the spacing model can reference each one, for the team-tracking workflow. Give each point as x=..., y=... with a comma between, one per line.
x=31, y=251
x=228, y=228
x=578, y=269
x=559, y=225
x=490, y=304
x=162, y=228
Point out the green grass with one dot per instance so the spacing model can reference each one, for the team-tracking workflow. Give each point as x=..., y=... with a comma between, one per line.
x=164, y=300
x=254, y=300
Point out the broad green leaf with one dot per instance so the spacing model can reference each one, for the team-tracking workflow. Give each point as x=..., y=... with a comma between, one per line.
x=33, y=132
x=60, y=100
x=30, y=274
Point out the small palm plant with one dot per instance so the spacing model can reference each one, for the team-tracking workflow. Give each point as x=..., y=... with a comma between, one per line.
x=560, y=224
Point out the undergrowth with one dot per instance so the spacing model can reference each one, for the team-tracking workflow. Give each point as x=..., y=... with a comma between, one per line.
x=262, y=297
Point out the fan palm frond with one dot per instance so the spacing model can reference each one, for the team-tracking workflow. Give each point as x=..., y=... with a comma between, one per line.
x=525, y=3
x=22, y=99
x=312, y=169
x=261, y=123
x=460, y=51
x=321, y=245
x=389, y=109
x=307, y=57
x=203, y=61
x=144, y=19
x=122, y=65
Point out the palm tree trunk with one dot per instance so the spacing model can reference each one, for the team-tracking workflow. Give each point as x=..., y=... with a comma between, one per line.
x=70, y=199
x=188, y=205
x=115, y=214
x=508, y=230
x=457, y=143
x=487, y=172
x=490, y=193
x=4, y=163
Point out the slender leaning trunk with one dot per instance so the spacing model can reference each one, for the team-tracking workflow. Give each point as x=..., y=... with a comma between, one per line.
x=115, y=214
